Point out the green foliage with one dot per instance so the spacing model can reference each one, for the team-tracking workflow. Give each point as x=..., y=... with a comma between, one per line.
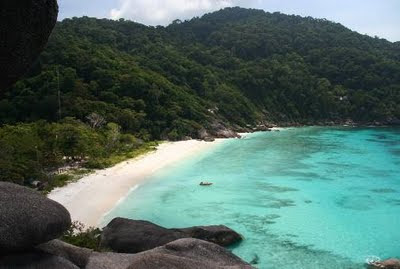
x=34, y=151
x=80, y=236
x=122, y=155
x=58, y=181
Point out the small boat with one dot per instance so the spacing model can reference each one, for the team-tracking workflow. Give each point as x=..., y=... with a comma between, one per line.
x=205, y=183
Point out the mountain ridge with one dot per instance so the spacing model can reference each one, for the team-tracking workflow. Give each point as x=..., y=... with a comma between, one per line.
x=247, y=66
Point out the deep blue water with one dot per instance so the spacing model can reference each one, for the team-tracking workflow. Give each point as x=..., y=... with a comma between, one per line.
x=307, y=198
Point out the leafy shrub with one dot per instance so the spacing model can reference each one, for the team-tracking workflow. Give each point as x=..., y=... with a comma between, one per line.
x=79, y=235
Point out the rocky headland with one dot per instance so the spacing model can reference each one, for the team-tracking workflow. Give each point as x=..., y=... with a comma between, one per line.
x=31, y=225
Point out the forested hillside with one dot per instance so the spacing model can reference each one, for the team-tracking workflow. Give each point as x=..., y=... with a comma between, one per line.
x=236, y=67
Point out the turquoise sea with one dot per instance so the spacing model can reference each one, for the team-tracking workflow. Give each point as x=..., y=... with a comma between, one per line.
x=311, y=198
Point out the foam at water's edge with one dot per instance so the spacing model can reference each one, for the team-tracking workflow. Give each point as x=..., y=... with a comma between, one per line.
x=120, y=201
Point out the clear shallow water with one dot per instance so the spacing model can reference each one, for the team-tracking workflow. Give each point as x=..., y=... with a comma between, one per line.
x=303, y=198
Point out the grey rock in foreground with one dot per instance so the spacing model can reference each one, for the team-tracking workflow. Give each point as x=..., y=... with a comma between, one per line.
x=87, y=258
x=185, y=253
x=35, y=260
x=78, y=256
x=27, y=218
x=111, y=261
x=133, y=236
x=25, y=27
x=181, y=254
x=188, y=253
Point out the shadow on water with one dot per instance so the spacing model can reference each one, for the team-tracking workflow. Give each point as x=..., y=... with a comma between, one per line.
x=263, y=202
x=274, y=189
x=356, y=202
x=384, y=190
x=394, y=202
x=283, y=252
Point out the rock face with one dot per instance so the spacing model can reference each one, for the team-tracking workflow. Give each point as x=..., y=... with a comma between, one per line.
x=209, y=139
x=35, y=260
x=185, y=253
x=386, y=264
x=392, y=121
x=219, y=130
x=203, y=134
x=188, y=253
x=25, y=27
x=218, y=234
x=27, y=218
x=78, y=256
x=133, y=236
x=111, y=261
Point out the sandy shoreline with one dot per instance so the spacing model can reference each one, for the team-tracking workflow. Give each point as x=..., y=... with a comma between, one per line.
x=96, y=194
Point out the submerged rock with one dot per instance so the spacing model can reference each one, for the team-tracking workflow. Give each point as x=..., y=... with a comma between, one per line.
x=386, y=264
x=27, y=218
x=133, y=236
x=35, y=260
x=25, y=27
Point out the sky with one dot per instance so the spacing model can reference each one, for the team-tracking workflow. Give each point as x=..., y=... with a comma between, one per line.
x=372, y=17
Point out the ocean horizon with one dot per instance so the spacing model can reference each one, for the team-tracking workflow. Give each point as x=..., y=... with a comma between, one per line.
x=309, y=197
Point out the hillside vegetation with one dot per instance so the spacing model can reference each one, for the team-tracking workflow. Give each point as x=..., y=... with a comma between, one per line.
x=235, y=67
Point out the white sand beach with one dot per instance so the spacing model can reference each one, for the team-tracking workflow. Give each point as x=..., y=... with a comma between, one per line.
x=96, y=194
